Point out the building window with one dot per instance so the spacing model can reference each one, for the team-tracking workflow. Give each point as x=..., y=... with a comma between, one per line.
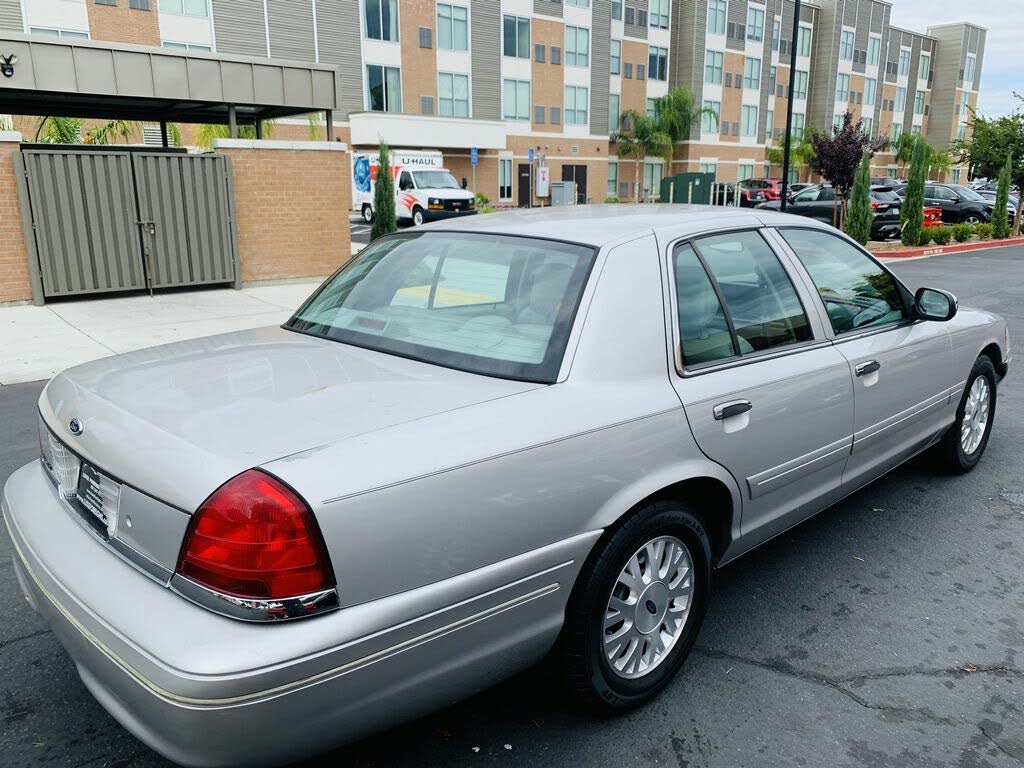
x=924, y=67
x=769, y=125
x=617, y=10
x=578, y=3
x=197, y=8
x=652, y=180
x=846, y=46
x=657, y=63
x=577, y=47
x=867, y=125
x=613, y=112
x=799, y=85
x=516, y=37
x=901, y=100
x=837, y=122
x=452, y=27
x=384, y=88
x=651, y=106
x=137, y=5
x=659, y=10
x=186, y=46
x=969, y=67
x=709, y=168
x=576, y=105
x=956, y=175
x=904, y=62
x=713, y=61
x=616, y=57
x=452, y=95
x=381, y=19
x=745, y=171
x=613, y=178
x=915, y=130
x=772, y=76
x=874, y=50
x=515, y=97
x=842, y=88
x=919, y=103
x=755, y=24
x=965, y=104
x=870, y=90
x=798, y=125
x=961, y=132
x=504, y=178
x=897, y=131
x=752, y=73
x=65, y=33
x=748, y=121
x=708, y=122
x=716, y=17
x=803, y=42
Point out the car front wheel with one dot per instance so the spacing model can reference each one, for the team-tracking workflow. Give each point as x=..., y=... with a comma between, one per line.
x=637, y=607
x=963, y=445
x=417, y=216
x=367, y=214
x=973, y=219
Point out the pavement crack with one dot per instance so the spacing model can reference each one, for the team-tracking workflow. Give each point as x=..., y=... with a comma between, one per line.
x=992, y=740
x=13, y=640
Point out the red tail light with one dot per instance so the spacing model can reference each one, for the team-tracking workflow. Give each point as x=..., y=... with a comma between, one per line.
x=876, y=206
x=255, y=538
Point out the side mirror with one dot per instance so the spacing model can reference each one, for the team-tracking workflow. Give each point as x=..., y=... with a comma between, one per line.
x=933, y=304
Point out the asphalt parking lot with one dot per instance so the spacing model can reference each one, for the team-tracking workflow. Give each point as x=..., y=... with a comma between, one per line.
x=888, y=631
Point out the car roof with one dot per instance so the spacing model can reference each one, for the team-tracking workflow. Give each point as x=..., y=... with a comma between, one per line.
x=603, y=224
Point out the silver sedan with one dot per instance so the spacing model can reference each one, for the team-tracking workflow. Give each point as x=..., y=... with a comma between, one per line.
x=476, y=444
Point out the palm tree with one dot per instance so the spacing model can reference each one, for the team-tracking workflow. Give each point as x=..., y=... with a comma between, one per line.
x=206, y=133
x=113, y=129
x=59, y=130
x=801, y=152
x=903, y=149
x=676, y=113
x=644, y=138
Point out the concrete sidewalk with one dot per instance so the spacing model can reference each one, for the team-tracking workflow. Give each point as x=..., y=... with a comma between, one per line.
x=39, y=342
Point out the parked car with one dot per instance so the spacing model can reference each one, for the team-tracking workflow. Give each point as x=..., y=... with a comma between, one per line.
x=990, y=196
x=819, y=201
x=798, y=187
x=959, y=203
x=477, y=443
x=724, y=193
x=772, y=188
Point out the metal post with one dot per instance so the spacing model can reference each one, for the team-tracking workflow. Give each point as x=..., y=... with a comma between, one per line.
x=259, y=129
x=329, y=117
x=232, y=121
x=163, y=133
x=689, y=194
x=789, y=107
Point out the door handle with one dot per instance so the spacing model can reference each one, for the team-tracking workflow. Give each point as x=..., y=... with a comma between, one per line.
x=871, y=366
x=732, y=408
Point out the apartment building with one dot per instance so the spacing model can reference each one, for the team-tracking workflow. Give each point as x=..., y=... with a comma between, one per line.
x=551, y=79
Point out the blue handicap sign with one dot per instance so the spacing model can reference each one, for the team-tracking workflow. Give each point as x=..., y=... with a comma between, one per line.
x=529, y=155
x=473, y=155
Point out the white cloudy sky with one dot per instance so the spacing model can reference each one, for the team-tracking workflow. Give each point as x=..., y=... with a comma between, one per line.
x=1003, y=69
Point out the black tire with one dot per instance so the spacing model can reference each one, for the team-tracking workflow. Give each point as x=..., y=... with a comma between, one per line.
x=418, y=217
x=367, y=214
x=589, y=675
x=949, y=455
x=973, y=218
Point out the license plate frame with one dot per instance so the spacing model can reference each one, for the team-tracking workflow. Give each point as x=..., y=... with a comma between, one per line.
x=99, y=495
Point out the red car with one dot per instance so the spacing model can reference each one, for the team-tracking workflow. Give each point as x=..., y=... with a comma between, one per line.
x=772, y=188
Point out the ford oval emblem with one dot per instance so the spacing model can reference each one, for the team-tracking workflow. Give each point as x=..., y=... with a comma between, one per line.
x=76, y=427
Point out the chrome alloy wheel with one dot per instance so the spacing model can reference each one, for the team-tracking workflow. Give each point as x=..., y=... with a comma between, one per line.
x=648, y=607
x=975, y=421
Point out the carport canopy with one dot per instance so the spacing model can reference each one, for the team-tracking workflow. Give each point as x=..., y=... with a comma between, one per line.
x=93, y=79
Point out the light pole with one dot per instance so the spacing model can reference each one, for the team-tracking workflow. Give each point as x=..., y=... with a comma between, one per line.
x=789, y=106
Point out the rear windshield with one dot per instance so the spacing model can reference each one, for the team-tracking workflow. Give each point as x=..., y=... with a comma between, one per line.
x=885, y=196
x=497, y=305
x=435, y=180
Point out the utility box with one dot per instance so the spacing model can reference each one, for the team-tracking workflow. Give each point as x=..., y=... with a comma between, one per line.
x=692, y=188
x=563, y=193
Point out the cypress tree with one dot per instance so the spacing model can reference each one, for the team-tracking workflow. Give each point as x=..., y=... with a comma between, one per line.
x=384, y=221
x=912, y=213
x=1000, y=220
x=858, y=222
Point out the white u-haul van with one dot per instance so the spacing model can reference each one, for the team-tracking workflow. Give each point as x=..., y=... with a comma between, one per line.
x=424, y=188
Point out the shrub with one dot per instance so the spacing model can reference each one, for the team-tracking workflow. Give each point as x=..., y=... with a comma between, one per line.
x=962, y=232
x=924, y=237
x=983, y=231
x=611, y=199
x=942, y=235
x=482, y=200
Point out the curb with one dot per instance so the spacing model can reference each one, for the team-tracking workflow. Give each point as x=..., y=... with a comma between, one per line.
x=939, y=250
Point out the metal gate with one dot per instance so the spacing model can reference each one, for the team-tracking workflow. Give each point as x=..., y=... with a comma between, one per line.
x=119, y=220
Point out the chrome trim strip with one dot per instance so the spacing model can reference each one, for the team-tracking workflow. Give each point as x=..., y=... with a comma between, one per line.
x=287, y=687
x=894, y=421
x=251, y=609
x=795, y=469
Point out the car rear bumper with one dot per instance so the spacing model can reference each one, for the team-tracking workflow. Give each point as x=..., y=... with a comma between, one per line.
x=205, y=690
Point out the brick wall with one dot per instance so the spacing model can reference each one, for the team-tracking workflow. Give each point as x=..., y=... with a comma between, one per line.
x=121, y=24
x=14, y=282
x=419, y=65
x=292, y=203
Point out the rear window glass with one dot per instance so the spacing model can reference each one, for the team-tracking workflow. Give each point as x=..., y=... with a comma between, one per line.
x=885, y=195
x=491, y=304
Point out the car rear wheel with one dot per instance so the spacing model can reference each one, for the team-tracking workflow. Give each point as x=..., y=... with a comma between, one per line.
x=637, y=607
x=962, y=447
x=417, y=216
x=973, y=219
x=367, y=214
